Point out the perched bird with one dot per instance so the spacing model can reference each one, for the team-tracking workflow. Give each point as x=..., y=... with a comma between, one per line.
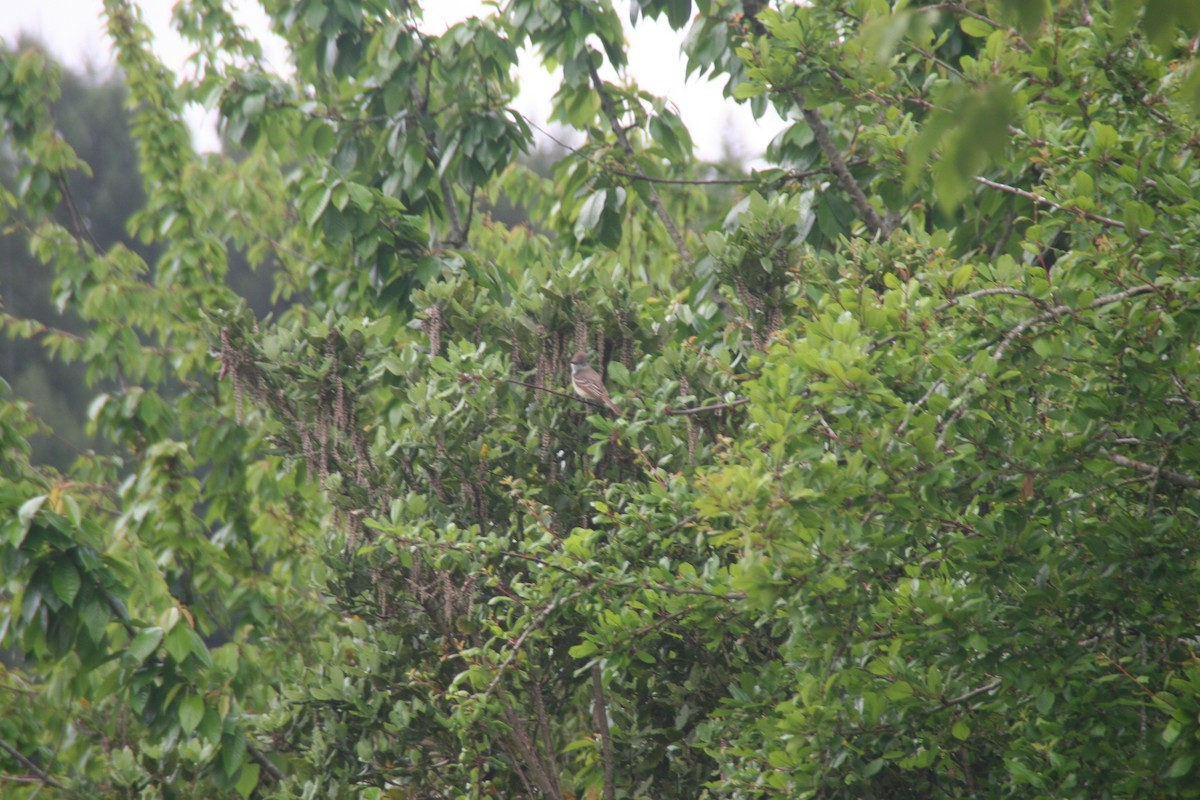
x=588, y=384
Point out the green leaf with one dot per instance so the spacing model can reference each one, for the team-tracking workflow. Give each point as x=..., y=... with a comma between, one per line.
x=65, y=580
x=975, y=27
x=1181, y=766
x=583, y=649
x=589, y=214
x=960, y=730
x=580, y=744
x=248, y=780
x=183, y=640
x=145, y=643
x=191, y=712
x=233, y=753
x=962, y=276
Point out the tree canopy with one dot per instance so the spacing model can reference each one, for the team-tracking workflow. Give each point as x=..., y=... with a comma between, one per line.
x=903, y=501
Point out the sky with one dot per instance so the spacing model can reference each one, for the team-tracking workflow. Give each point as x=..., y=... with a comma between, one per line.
x=74, y=32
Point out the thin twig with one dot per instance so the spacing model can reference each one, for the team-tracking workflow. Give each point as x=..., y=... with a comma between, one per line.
x=972, y=694
x=987, y=293
x=600, y=715
x=545, y=389
x=661, y=587
x=610, y=111
x=637, y=176
x=1045, y=201
x=516, y=647
x=81, y=230
x=741, y=401
x=42, y=776
x=959, y=8
x=794, y=175
x=1048, y=316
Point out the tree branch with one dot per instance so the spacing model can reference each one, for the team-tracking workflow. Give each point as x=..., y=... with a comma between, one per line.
x=1061, y=311
x=535, y=387
x=600, y=715
x=1141, y=466
x=610, y=111
x=534, y=624
x=1049, y=315
x=81, y=230
x=1040, y=200
x=840, y=170
x=794, y=175
x=261, y=759
x=972, y=694
x=959, y=8
x=674, y=412
x=42, y=776
x=987, y=293
x=524, y=745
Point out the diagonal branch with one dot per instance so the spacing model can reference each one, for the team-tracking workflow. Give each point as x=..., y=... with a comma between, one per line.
x=960, y=404
x=42, y=776
x=260, y=758
x=1061, y=311
x=534, y=625
x=838, y=164
x=656, y=202
x=1045, y=201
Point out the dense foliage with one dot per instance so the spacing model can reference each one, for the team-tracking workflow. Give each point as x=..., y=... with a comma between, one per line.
x=903, y=502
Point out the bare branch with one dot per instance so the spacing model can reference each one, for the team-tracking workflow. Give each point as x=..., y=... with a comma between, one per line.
x=534, y=624
x=1045, y=201
x=656, y=202
x=959, y=8
x=535, y=387
x=1141, y=466
x=261, y=759
x=637, y=176
x=1061, y=311
x=600, y=716
x=82, y=231
x=972, y=694
x=795, y=175
x=840, y=169
x=741, y=401
x=988, y=293
x=1049, y=315
x=523, y=743
x=41, y=775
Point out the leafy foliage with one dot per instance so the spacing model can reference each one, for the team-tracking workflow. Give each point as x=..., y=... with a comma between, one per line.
x=902, y=501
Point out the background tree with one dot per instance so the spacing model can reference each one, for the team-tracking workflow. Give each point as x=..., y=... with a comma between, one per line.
x=902, y=503
x=88, y=105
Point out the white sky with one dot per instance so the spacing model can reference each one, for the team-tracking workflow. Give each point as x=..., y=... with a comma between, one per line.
x=74, y=32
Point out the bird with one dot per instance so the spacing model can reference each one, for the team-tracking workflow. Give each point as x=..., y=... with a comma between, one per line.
x=588, y=384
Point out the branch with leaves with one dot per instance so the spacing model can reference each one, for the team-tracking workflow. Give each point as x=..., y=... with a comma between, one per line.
x=614, y=121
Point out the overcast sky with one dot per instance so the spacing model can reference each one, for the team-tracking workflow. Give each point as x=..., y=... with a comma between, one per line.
x=74, y=32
